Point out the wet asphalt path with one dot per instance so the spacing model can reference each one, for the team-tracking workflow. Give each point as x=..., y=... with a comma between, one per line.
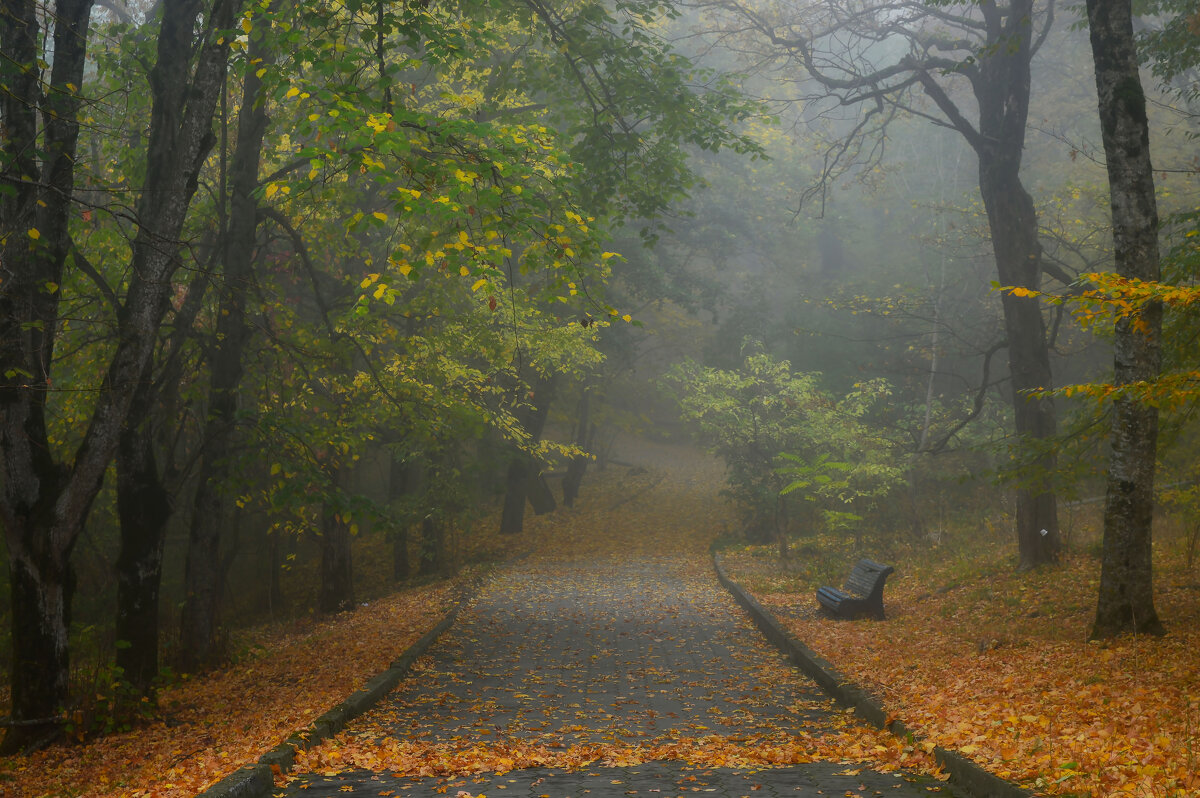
x=606, y=654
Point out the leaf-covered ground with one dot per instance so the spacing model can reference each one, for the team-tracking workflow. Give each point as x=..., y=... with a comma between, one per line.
x=610, y=645
x=605, y=663
x=975, y=657
x=996, y=665
x=213, y=724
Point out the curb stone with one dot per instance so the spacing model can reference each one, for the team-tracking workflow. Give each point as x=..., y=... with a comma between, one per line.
x=963, y=772
x=257, y=781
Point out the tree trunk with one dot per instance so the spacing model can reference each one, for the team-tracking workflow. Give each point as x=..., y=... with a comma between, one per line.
x=522, y=468
x=541, y=498
x=578, y=465
x=202, y=578
x=44, y=505
x=401, y=564
x=275, y=598
x=144, y=501
x=41, y=597
x=512, y=516
x=1002, y=91
x=337, y=573
x=434, y=561
x=1014, y=237
x=1126, y=597
x=398, y=484
x=144, y=508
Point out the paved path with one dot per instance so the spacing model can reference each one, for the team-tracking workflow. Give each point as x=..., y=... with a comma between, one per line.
x=605, y=656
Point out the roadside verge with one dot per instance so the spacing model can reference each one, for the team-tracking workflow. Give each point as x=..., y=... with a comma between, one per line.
x=963, y=772
x=258, y=780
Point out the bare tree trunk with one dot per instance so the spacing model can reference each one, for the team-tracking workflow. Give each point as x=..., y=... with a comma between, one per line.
x=1126, y=598
x=43, y=504
x=1002, y=91
x=991, y=49
x=398, y=485
x=337, y=573
x=512, y=516
x=40, y=531
x=522, y=469
x=275, y=598
x=203, y=578
x=144, y=508
x=578, y=465
x=434, y=558
x=541, y=498
x=1013, y=222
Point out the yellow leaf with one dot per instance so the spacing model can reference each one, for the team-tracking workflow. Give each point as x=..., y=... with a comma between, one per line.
x=380, y=215
x=480, y=283
x=275, y=468
x=368, y=280
x=380, y=291
x=464, y=271
x=34, y=233
x=247, y=25
x=260, y=73
x=292, y=92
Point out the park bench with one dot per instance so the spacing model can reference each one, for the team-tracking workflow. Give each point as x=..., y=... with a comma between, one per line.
x=861, y=595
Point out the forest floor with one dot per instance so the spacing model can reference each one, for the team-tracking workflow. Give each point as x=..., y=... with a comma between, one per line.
x=207, y=726
x=610, y=662
x=996, y=665
x=972, y=656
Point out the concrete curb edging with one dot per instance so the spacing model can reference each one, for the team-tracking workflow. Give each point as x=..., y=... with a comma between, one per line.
x=257, y=781
x=963, y=772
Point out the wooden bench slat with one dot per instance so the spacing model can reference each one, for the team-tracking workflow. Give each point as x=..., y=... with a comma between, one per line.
x=862, y=593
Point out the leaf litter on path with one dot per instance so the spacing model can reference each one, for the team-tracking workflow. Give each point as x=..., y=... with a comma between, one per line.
x=214, y=723
x=995, y=665
x=610, y=644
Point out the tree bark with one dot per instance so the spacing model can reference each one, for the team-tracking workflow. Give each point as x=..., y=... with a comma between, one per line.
x=1013, y=223
x=1002, y=89
x=1126, y=596
x=512, y=515
x=434, y=559
x=523, y=468
x=578, y=465
x=398, y=485
x=275, y=598
x=202, y=579
x=43, y=504
x=541, y=498
x=144, y=501
x=144, y=508
x=336, y=593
